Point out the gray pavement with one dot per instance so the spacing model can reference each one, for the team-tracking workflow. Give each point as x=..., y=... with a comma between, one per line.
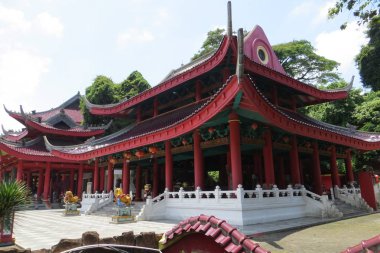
x=37, y=229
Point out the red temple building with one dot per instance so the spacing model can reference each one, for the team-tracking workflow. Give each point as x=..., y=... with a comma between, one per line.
x=222, y=125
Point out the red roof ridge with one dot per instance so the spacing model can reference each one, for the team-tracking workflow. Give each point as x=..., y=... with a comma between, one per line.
x=224, y=234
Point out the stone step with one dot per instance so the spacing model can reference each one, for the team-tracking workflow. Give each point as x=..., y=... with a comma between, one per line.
x=347, y=209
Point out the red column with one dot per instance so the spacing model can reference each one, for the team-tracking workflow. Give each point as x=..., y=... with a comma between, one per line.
x=96, y=175
x=198, y=161
x=80, y=180
x=198, y=90
x=146, y=176
x=294, y=162
x=72, y=180
x=29, y=178
x=168, y=166
x=138, y=182
x=19, y=170
x=125, y=177
x=316, y=170
x=349, y=172
x=334, y=167
x=102, y=174
x=237, y=174
x=110, y=177
x=155, y=177
x=47, y=182
x=40, y=183
x=268, y=158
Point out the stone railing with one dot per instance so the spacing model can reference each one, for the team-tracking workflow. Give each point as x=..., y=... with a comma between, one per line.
x=352, y=196
x=92, y=202
x=232, y=204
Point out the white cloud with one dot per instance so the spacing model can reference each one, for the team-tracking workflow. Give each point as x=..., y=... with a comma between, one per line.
x=134, y=36
x=342, y=46
x=302, y=9
x=323, y=11
x=48, y=24
x=13, y=20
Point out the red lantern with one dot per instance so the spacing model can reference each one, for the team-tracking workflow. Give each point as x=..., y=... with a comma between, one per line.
x=254, y=126
x=112, y=160
x=139, y=153
x=307, y=144
x=184, y=142
x=153, y=150
x=127, y=155
x=211, y=130
x=285, y=139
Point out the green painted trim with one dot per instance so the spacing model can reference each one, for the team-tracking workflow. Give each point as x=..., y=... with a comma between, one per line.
x=237, y=100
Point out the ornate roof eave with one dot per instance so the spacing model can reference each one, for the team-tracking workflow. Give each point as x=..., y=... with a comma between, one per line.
x=321, y=95
x=14, y=136
x=15, y=149
x=70, y=101
x=16, y=115
x=209, y=109
x=318, y=130
x=77, y=132
x=183, y=74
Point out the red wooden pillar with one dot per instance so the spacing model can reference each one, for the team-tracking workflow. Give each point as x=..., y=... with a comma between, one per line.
x=40, y=182
x=237, y=174
x=102, y=174
x=198, y=90
x=146, y=176
x=47, y=181
x=155, y=177
x=334, y=167
x=268, y=158
x=348, y=162
x=168, y=166
x=72, y=180
x=138, y=182
x=198, y=161
x=110, y=177
x=317, y=178
x=80, y=180
x=294, y=161
x=19, y=170
x=96, y=175
x=126, y=177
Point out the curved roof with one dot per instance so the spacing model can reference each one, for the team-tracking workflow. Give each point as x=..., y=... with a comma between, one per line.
x=222, y=233
x=173, y=79
x=296, y=123
x=14, y=136
x=163, y=127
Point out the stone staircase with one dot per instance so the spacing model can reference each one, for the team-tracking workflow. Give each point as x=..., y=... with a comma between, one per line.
x=109, y=210
x=349, y=210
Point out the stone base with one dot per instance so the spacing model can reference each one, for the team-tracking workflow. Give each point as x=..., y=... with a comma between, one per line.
x=7, y=242
x=71, y=212
x=122, y=219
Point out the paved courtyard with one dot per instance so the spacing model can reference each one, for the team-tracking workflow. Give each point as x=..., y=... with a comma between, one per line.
x=38, y=229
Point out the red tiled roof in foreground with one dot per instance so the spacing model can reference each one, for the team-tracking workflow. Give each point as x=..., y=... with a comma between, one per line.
x=370, y=245
x=225, y=235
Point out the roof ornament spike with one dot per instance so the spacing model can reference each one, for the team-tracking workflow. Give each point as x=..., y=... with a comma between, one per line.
x=351, y=84
x=48, y=145
x=229, y=19
x=5, y=132
x=6, y=110
x=22, y=111
x=240, y=56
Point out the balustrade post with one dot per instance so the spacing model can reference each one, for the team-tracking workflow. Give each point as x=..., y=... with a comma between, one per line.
x=180, y=192
x=166, y=193
x=259, y=191
x=197, y=193
x=240, y=192
x=275, y=191
x=217, y=193
x=290, y=190
x=303, y=190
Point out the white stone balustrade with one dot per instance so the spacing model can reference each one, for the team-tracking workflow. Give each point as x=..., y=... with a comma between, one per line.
x=92, y=202
x=351, y=196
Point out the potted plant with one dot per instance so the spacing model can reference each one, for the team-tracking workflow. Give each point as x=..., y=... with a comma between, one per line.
x=13, y=194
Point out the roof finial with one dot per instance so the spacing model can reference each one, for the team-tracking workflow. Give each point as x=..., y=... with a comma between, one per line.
x=229, y=22
x=240, y=56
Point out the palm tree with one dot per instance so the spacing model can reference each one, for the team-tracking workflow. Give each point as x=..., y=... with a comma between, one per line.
x=13, y=194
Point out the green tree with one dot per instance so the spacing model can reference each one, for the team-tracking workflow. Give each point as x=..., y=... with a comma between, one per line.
x=211, y=43
x=133, y=85
x=300, y=61
x=365, y=10
x=368, y=59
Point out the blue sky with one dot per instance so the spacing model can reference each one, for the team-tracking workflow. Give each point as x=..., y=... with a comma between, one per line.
x=51, y=49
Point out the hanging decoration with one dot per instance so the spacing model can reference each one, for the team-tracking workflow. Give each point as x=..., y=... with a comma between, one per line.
x=139, y=153
x=153, y=150
x=112, y=160
x=127, y=155
x=254, y=126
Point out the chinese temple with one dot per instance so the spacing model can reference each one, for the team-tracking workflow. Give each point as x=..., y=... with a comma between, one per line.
x=228, y=120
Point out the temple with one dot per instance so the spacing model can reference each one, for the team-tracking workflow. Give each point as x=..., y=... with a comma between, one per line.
x=225, y=124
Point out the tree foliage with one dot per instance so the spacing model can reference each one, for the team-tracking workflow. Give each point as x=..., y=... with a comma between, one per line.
x=12, y=194
x=211, y=43
x=104, y=91
x=368, y=59
x=365, y=10
x=300, y=61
